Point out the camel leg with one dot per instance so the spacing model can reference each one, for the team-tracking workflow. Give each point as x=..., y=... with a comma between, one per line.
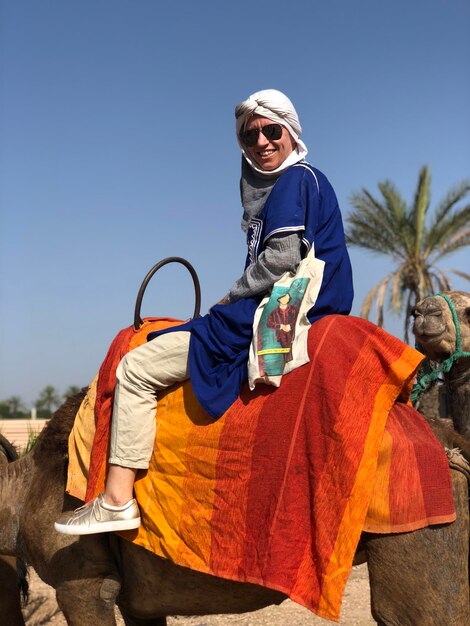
x=421, y=578
x=10, y=601
x=82, y=605
x=133, y=621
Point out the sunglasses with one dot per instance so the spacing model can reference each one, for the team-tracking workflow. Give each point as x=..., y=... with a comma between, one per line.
x=272, y=132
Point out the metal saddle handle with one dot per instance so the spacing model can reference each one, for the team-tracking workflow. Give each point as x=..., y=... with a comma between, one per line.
x=171, y=259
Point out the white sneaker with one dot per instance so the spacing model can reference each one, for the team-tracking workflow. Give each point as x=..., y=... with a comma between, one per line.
x=97, y=517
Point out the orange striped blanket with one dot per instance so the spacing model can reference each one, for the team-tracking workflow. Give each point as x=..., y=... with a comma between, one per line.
x=279, y=489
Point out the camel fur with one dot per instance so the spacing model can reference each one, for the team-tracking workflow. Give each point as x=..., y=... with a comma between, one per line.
x=13, y=583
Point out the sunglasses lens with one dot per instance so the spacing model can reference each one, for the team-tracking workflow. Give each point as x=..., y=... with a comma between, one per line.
x=250, y=137
x=272, y=131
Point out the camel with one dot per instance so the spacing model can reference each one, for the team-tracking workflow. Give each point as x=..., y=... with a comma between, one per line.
x=435, y=328
x=93, y=572
x=12, y=585
x=418, y=578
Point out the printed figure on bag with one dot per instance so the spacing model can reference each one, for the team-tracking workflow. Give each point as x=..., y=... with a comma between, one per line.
x=276, y=331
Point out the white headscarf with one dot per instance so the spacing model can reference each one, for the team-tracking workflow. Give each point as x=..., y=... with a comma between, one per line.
x=275, y=106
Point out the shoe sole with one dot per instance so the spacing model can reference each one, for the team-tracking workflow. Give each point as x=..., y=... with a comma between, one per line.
x=102, y=527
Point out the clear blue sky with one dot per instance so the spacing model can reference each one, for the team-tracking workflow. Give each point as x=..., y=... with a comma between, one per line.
x=117, y=148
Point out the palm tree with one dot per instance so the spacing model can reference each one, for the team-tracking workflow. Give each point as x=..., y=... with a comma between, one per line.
x=13, y=407
x=414, y=237
x=72, y=390
x=17, y=407
x=48, y=400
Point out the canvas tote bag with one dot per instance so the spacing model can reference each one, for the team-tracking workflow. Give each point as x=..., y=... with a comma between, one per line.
x=280, y=325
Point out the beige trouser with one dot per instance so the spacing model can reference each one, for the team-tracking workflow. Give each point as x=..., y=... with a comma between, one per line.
x=143, y=372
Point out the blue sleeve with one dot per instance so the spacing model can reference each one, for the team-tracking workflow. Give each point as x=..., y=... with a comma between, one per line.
x=285, y=210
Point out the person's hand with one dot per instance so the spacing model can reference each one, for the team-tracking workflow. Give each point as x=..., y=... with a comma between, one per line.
x=285, y=327
x=225, y=300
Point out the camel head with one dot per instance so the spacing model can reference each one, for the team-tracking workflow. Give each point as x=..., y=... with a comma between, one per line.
x=434, y=326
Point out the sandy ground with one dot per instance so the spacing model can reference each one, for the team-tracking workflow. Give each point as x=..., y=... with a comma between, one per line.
x=42, y=609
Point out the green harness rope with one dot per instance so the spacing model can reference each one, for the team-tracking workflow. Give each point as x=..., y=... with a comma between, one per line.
x=431, y=375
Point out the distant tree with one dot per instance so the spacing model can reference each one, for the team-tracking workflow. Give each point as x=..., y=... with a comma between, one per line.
x=12, y=408
x=17, y=408
x=413, y=237
x=71, y=391
x=48, y=400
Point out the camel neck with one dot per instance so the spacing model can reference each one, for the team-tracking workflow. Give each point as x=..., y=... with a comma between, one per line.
x=457, y=393
x=15, y=483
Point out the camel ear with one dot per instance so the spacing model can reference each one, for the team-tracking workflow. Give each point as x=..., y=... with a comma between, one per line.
x=467, y=314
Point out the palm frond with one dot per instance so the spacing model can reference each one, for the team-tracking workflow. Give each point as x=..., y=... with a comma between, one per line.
x=374, y=226
x=420, y=208
x=461, y=274
x=423, y=283
x=366, y=205
x=370, y=297
x=458, y=241
x=440, y=232
x=440, y=282
x=409, y=308
x=397, y=211
x=380, y=302
x=396, y=296
x=366, y=235
x=396, y=206
x=368, y=301
x=453, y=197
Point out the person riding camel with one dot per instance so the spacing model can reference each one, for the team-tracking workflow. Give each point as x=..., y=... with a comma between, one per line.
x=288, y=206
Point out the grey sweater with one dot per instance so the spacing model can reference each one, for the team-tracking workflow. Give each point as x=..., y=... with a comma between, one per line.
x=282, y=254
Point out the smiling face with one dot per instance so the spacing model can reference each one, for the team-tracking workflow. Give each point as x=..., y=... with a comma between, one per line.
x=269, y=155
